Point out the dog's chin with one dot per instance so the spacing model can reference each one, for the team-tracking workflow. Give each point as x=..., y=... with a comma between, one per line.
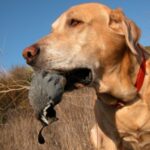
x=77, y=78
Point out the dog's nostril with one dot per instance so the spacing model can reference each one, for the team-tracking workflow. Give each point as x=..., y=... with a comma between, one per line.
x=29, y=54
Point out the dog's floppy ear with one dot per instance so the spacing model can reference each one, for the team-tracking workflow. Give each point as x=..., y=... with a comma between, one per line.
x=120, y=24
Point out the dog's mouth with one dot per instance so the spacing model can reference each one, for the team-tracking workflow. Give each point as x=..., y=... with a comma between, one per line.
x=77, y=78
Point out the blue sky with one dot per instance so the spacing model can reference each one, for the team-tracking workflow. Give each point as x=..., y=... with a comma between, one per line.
x=23, y=22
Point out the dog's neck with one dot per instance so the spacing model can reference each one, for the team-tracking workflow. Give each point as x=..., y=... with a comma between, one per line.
x=118, y=81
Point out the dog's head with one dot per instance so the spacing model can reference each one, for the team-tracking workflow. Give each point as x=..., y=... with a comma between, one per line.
x=90, y=36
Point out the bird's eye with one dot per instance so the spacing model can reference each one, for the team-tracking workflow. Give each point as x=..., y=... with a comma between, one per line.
x=74, y=22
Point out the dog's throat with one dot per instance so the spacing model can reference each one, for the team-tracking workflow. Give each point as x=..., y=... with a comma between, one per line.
x=114, y=102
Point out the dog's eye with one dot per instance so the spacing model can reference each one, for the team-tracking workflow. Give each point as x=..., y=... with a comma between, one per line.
x=74, y=22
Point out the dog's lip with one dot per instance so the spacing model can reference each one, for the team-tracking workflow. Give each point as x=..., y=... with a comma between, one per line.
x=77, y=77
x=67, y=71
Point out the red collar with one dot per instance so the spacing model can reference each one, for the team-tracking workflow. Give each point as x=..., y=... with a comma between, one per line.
x=141, y=74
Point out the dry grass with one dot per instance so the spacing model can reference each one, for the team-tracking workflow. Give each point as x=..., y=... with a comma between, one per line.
x=14, y=87
x=19, y=128
x=148, y=48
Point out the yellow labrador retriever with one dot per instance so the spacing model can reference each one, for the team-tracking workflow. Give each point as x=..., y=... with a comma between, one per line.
x=104, y=41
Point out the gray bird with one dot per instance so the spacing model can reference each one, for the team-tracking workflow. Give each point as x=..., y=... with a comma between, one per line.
x=45, y=92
